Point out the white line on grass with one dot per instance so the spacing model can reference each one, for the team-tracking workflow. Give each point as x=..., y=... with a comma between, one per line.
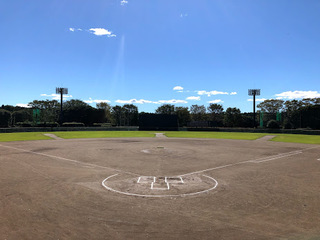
x=68, y=160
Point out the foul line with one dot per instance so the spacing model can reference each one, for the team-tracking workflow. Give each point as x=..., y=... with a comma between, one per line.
x=259, y=160
x=69, y=160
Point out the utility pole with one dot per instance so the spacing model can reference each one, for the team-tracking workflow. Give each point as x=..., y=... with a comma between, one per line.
x=254, y=93
x=61, y=91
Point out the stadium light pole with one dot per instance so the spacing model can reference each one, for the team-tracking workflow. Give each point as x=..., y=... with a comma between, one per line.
x=61, y=91
x=254, y=93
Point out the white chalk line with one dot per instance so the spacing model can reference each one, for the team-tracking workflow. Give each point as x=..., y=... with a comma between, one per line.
x=158, y=188
x=158, y=196
x=69, y=160
x=259, y=160
x=152, y=187
x=276, y=157
x=210, y=169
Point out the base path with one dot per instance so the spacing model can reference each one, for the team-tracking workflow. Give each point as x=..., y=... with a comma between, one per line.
x=160, y=135
x=53, y=136
x=265, y=138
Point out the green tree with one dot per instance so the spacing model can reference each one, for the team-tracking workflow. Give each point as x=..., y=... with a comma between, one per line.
x=24, y=115
x=106, y=107
x=292, y=105
x=232, y=117
x=11, y=108
x=215, y=108
x=292, y=109
x=165, y=109
x=49, y=109
x=75, y=104
x=271, y=105
x=183, y=115
x=308, y=102
x=5, y=118
x=198, y=112
x=117, y=115
x=216, y=113
x=131, y=115
x=78, y=111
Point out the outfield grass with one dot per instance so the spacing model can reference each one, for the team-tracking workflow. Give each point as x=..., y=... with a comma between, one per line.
x=293, y=138
x=26, y=136
x=103, y=134
x=297, y=138
x=221, y=135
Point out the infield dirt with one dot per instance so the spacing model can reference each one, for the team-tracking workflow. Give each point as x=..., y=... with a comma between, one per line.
x=265, y=190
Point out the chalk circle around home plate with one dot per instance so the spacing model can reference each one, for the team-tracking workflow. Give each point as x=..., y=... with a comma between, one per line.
x=160, y=186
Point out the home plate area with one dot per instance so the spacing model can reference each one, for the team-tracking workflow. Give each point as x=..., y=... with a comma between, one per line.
x=160, y=186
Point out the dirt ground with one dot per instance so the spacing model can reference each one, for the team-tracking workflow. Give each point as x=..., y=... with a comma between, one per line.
x=159, y=188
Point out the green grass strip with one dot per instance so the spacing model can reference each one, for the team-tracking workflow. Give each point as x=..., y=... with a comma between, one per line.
x=290, y=138
x=103, y=134
x=25, y=136
x=219, y=135
x=297, y=138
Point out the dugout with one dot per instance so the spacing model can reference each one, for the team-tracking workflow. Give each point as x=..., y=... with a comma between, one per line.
x=163, y=122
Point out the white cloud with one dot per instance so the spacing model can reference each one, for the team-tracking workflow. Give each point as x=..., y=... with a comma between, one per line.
x=233, y=93
x=95, y=31
x=193, y=98
x=123, y=2
x=55, y=96
x=183, y=15
x=101, y=32
x=132, y=101
x=73, y=29
x=172, y=101
x=257, y=99
x=96, y=101
x=143, y=101
x=178, y=88
x=298, y=94
x=216, y=101
x=23, y=105
x=210, y=93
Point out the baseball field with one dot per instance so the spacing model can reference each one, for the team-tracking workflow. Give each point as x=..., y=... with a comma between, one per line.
x=150, y=185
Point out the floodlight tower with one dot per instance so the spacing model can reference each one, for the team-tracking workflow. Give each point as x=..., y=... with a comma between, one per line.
x=61, y=91
x=254, y=93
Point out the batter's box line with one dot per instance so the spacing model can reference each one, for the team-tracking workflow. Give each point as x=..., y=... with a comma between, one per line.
x=159, y=188
x=146, y=177
x=157, y=183
x=151, y=179
x=105, y=185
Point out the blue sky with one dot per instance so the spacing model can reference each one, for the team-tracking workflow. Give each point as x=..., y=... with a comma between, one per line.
x=152, y=52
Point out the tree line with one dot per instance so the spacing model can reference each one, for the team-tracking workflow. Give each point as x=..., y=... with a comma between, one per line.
x=273, y=113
